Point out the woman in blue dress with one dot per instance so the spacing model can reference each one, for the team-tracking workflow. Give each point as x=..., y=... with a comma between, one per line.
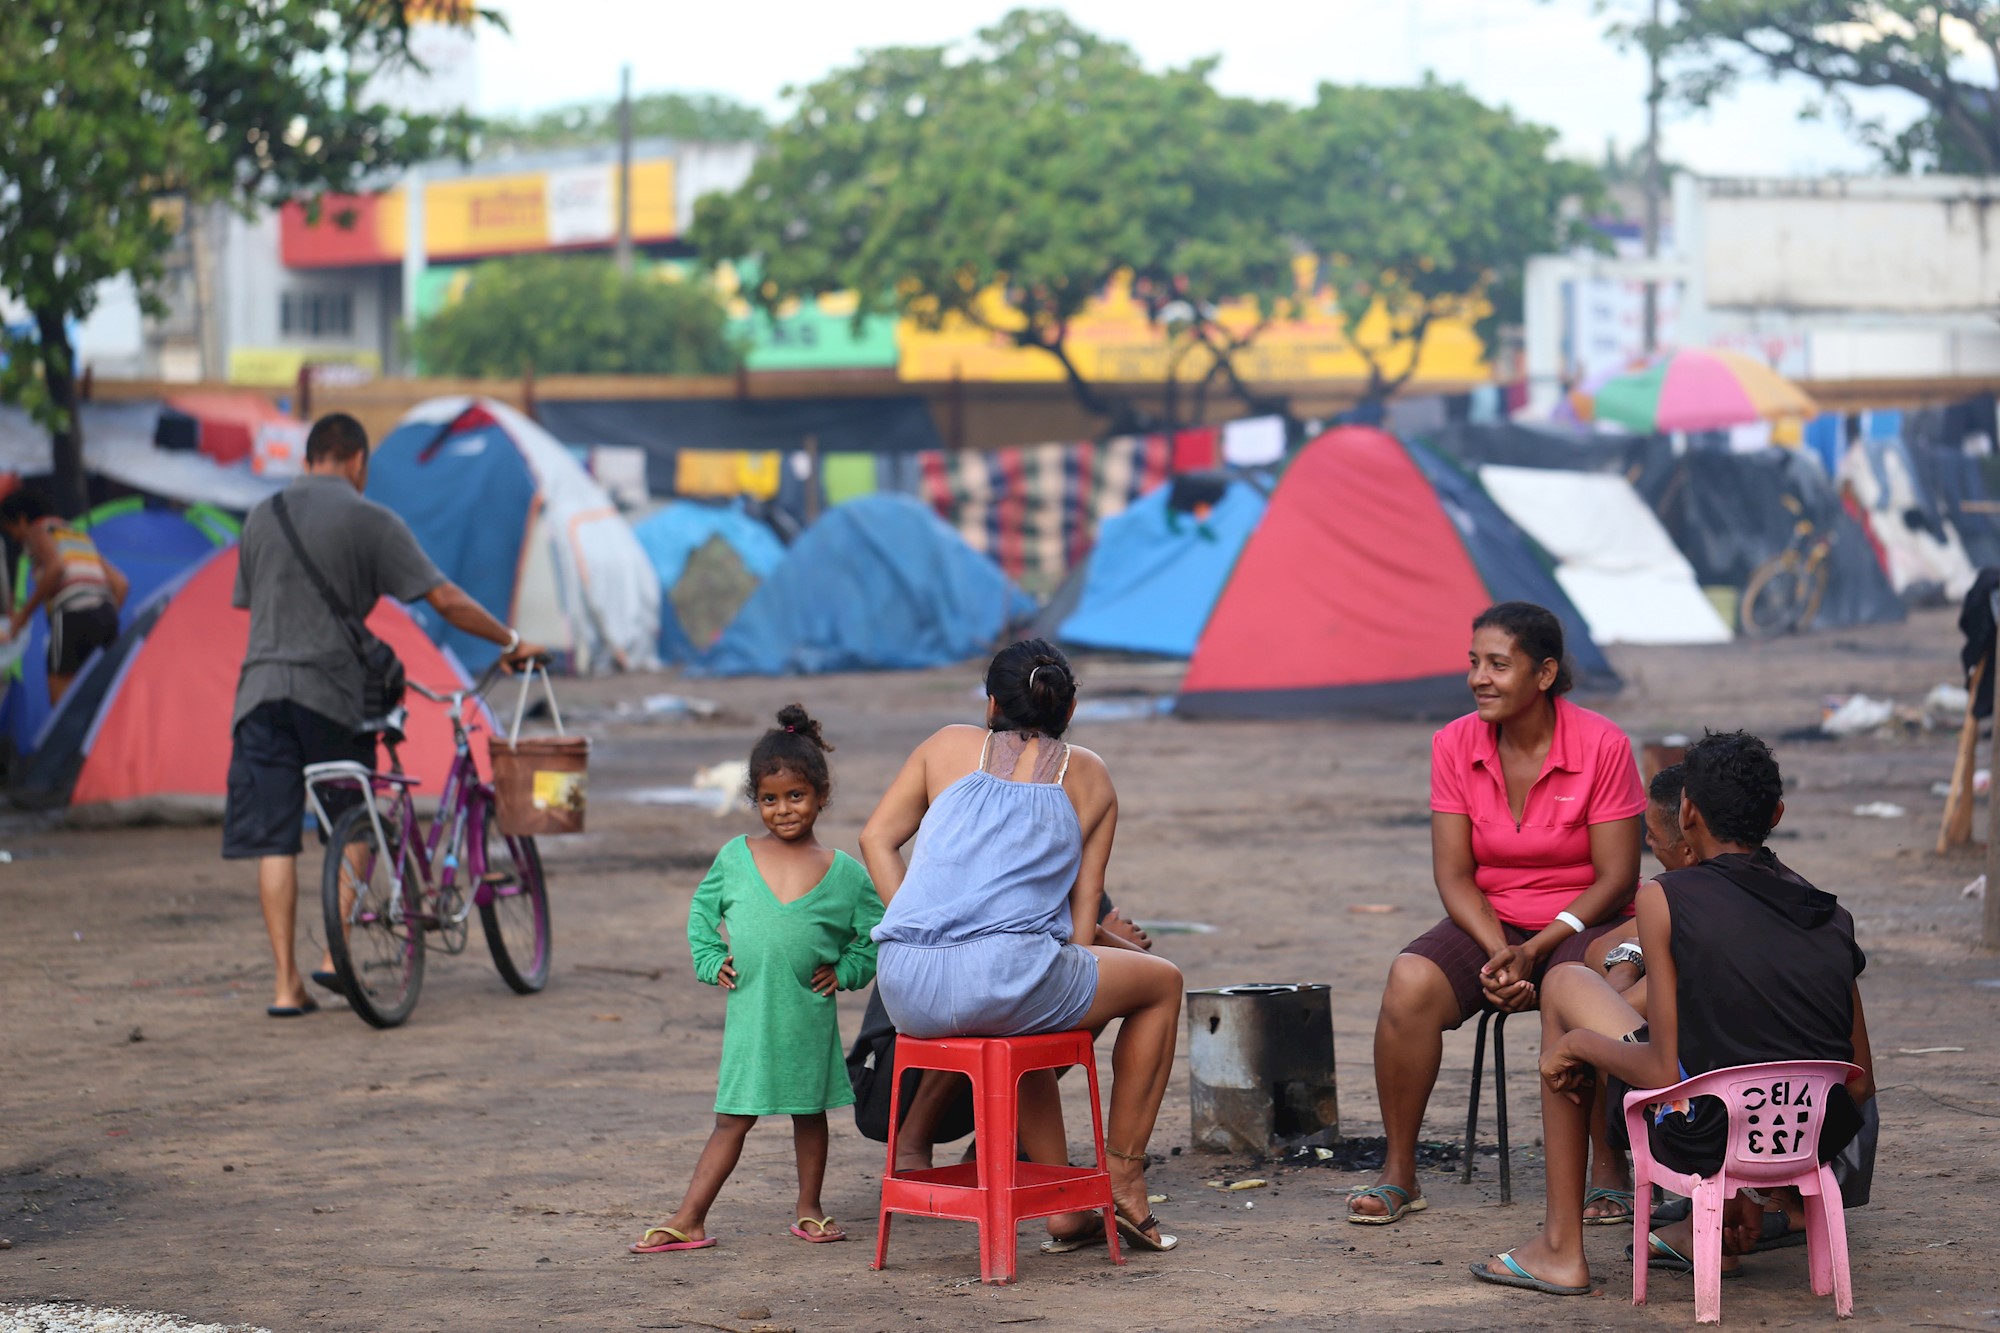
x=1014, y=828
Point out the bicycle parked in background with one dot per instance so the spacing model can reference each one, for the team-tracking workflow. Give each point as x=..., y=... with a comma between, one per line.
x=389, y=892
x=1784, y=593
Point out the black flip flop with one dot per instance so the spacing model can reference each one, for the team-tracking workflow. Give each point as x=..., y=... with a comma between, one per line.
x=292, y=1010
x=328, y=981
x=1135, y=1233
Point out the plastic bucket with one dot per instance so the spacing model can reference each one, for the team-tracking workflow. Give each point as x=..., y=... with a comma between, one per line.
x=540, y=784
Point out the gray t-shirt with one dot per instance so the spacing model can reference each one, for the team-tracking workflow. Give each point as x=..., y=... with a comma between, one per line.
x=297, y=648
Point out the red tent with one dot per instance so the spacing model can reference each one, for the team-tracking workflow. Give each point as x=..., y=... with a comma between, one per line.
x=161, y=726
x=1356, y=593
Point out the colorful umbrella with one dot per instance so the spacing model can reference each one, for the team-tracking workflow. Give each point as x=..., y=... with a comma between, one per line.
x=1704, y=389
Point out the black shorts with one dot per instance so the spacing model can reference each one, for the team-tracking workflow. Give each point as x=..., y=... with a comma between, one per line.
x=77, y=632
x=266, y=807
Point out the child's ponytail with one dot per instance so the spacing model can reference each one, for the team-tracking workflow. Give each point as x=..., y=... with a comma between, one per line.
x=795, y=745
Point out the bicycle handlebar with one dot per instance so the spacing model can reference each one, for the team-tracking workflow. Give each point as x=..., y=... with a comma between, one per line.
x=485, y=682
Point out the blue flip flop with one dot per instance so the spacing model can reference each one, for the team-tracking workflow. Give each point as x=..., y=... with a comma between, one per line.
x=1396, y=1209
x=1624, y=1198
x=1667, y=1259
x=1517, y=1276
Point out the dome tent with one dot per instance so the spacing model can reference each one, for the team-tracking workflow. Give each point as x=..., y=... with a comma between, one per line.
x=878, y=583
x=512, y=518
x=151, y=546
x=147, y=726
x=673, y=533
x=1356, y=594
x=1157, y=568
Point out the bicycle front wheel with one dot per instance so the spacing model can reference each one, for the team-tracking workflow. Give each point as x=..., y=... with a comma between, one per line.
x=514, y=907
x=372, y=929
x=1774, y=598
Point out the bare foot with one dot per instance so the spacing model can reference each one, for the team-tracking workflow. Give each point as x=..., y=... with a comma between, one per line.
x=1563, y=1270
x=1128, y=1194
x=1680, y=1236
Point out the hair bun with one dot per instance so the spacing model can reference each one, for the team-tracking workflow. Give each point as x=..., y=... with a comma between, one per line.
x=794, y=718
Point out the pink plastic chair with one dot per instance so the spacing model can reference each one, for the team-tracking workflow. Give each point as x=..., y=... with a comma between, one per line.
x=1775, y=1113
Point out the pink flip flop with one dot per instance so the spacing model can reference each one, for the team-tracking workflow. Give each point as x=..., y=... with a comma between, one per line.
x=827, y=1231
x=675, y=1240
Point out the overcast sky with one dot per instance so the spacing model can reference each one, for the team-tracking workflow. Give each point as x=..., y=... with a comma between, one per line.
x=1547, y=59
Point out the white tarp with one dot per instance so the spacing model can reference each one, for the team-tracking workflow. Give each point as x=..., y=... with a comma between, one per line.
x=587, y=585
x=1878, y=473
x=1629, y=581
x=118, y=443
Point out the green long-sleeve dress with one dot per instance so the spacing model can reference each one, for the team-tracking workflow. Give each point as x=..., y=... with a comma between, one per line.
x=780, y=1041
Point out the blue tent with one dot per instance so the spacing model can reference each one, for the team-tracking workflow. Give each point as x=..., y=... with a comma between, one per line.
x=1159, y=566
x=676, y=531
x=878, y=583
x=151, y=548
x=510, y=517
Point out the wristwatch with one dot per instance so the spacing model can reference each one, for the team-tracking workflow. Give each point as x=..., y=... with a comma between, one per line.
x=1626, y=951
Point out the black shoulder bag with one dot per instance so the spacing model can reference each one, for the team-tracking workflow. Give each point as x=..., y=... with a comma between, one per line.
x=383, y=683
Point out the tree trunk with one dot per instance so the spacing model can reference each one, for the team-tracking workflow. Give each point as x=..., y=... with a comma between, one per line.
x=71, y=495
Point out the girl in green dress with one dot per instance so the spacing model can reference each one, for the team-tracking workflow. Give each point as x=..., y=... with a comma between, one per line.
x=798, y=916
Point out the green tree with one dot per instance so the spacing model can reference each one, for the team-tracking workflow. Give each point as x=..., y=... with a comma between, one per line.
x=578, y=315
x=1944, y=53
x=697, y=117
x=1042, y=161
x=1422, y=204
x=110, y=108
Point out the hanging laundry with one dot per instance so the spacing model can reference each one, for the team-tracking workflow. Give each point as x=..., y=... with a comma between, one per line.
x=1197, y=450
x=843, y=477
x=1253, y=441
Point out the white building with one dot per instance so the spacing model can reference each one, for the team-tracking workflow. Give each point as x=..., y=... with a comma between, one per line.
x=1889, y=285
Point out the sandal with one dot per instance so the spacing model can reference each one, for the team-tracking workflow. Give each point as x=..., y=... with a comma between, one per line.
x=1135, y=1232
x=1667, y=1259
x=1397, y=1207
x=1624, y=1199
x=1094, y=1235
x=1517, y=1276
x=675, y=1240
x=826, y=1230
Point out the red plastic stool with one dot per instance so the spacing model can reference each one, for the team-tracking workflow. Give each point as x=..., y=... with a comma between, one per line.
x=996, y=1191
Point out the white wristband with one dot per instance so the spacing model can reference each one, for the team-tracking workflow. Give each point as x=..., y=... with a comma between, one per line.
x=1571, y=920
x=514, y=641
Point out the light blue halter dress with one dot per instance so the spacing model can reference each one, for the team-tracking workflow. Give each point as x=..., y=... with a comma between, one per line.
x=976, y=943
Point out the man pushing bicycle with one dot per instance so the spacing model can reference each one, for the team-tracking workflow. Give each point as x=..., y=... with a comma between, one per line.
x=315, y=559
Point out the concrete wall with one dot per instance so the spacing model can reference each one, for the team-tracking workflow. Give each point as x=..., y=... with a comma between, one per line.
x=1899, y=245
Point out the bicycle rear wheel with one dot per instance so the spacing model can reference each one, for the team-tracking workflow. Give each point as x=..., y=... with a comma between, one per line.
x=515, y=915
x=371, y=927
x=1774, y=598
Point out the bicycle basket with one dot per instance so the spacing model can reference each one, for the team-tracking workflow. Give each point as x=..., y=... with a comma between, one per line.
x=539, y=784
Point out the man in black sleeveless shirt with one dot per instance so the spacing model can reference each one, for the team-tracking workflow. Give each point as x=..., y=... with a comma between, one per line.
x=1746, y=962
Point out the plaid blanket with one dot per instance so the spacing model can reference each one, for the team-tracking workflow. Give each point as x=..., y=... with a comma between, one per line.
x=1035, y=509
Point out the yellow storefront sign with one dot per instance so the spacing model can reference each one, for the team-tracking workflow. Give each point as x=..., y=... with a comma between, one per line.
x=1113, y=341
x=275, y=367
x=540, y=210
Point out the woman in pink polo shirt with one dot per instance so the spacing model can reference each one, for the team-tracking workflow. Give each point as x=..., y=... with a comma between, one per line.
x=1535, y=810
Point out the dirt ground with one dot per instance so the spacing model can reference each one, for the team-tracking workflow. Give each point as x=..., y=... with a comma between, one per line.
x=164, y=1144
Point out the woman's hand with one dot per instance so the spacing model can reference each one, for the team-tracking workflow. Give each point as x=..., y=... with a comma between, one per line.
x=1567, y=1072
x=825, y=981
x=1506, y=977
x=726, y=978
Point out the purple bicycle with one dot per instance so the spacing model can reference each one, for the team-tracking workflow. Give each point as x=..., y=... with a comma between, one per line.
x=388, y=891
